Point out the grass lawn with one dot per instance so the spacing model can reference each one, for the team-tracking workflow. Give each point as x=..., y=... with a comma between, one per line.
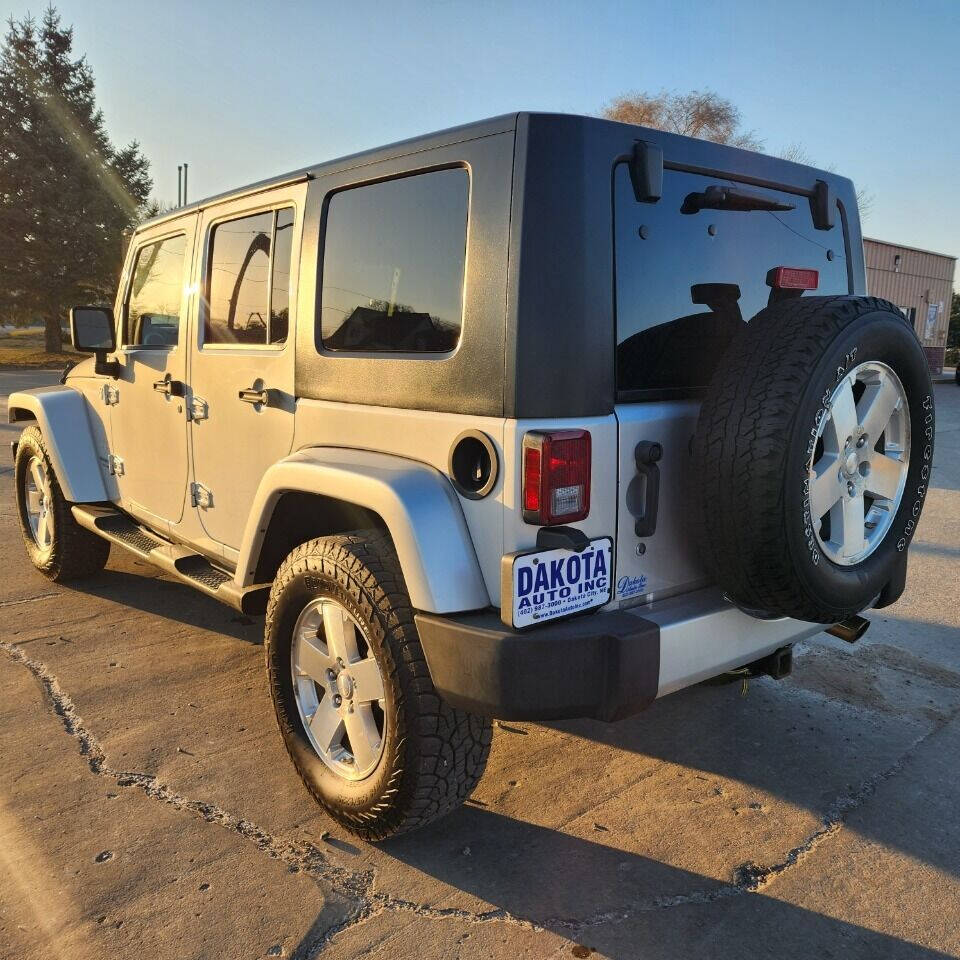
x=24, y=348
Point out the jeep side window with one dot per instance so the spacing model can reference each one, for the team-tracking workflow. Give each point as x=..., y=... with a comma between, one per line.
x=280, y=282
x=248, y=280
x=393, y=265
x=156, y=294
x=691, y=269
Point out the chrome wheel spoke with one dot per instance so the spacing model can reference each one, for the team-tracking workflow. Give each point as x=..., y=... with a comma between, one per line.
x=38, y=474
x=326, y=725
x=312, y=658
x=843, y=417
x=852, y=525
x=876, y=407
x=339, y=632
x=825, y=488
x=33, y=501
x=43, y=529
x=363, y=735
x=885, y=477
x=367, y=681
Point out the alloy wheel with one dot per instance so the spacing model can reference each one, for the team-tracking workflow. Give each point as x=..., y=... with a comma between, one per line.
x=38, y=503
x=858, y=470
x=338, y=687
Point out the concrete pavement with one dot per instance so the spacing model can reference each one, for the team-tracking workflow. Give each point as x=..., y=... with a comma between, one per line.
x=147, y=807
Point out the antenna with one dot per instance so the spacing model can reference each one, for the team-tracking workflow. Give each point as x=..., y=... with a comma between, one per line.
x=179, y=185
x=185, y=182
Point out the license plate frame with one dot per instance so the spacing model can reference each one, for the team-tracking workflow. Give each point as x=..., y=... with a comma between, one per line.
x=579, y=578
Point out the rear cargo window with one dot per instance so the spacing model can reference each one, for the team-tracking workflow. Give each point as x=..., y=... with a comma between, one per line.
x=687, y=278
x=393, y=265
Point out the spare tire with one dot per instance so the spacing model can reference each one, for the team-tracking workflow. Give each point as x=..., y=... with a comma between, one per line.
x=812, y=457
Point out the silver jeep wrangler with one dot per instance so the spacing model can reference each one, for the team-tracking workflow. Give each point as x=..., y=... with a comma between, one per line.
x=536, y=418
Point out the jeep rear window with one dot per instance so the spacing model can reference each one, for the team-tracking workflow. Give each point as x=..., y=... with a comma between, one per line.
x=393, y=265
x=687, y=281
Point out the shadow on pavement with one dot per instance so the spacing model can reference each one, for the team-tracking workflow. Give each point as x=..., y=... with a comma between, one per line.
x=621, y=904
x=149, y=593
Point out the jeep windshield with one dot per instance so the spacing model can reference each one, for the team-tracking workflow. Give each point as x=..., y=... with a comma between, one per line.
x=692, y=268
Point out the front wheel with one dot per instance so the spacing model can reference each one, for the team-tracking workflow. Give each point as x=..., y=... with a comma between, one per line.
x=57, y=545
x=368, y=733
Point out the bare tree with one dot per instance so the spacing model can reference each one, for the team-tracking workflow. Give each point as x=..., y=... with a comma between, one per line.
x=707, y=115
x=798, y=154
x=700, y=113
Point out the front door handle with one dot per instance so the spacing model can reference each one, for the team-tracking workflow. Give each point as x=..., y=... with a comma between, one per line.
x=264, y=397
x=169, y=386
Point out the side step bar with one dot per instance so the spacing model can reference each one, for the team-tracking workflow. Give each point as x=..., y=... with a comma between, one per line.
x=181, y=562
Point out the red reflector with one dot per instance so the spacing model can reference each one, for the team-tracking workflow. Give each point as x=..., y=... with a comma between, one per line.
x=793, y=278
x=531, y=479
x=556, y=476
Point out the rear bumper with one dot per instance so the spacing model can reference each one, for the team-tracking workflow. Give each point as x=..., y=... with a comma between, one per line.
x=606, y=665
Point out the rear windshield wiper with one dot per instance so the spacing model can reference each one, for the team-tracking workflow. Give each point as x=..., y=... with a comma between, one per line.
x=730, y=198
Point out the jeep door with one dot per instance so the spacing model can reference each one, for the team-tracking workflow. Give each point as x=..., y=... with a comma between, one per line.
x=148, y=421
x=242, y=355
x=688, y=277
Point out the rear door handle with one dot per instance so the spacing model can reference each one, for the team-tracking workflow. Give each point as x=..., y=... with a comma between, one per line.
x=265, y=397
x=647, y=456
x=169, y=386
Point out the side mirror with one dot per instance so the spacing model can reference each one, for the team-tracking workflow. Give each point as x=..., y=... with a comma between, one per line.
x=92, y=330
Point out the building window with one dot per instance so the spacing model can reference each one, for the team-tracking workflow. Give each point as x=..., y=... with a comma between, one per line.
x=393, y=265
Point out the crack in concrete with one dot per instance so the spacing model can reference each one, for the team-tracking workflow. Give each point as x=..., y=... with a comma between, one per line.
x=358, y=886
x=300, y=856
x=16, y=603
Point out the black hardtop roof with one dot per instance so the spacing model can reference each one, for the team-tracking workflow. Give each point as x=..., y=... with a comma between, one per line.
x=701, y=153
x=467, y=131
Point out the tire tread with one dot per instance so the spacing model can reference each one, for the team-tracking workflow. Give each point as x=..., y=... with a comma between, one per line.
x=445, y=750
x=741, y=446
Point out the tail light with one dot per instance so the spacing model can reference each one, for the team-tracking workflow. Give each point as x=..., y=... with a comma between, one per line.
x=556, y=476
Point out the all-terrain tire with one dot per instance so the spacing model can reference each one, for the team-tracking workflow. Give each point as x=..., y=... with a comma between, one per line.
x=73, y=552
x=752, y=451
x=433, y=755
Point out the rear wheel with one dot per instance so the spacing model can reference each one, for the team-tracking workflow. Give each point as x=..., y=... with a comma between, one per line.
x=57, y=545
x=368, y=733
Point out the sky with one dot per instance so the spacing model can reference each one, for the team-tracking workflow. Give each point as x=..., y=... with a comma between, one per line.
x=243, y=91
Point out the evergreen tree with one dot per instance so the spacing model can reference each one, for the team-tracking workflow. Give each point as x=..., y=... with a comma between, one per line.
x=66, y=194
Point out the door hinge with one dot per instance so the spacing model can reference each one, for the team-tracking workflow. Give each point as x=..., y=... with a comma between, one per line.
x=200, y=496
x=197, y=408
x=115, y=465
x=111, y=395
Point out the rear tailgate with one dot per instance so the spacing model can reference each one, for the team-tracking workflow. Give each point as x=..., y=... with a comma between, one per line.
x=688, y=276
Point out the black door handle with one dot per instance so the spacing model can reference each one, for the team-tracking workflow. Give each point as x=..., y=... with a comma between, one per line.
x=170, y=387
x=647, y=454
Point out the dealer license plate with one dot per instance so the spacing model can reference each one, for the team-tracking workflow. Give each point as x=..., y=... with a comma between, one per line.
x=555, y=583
